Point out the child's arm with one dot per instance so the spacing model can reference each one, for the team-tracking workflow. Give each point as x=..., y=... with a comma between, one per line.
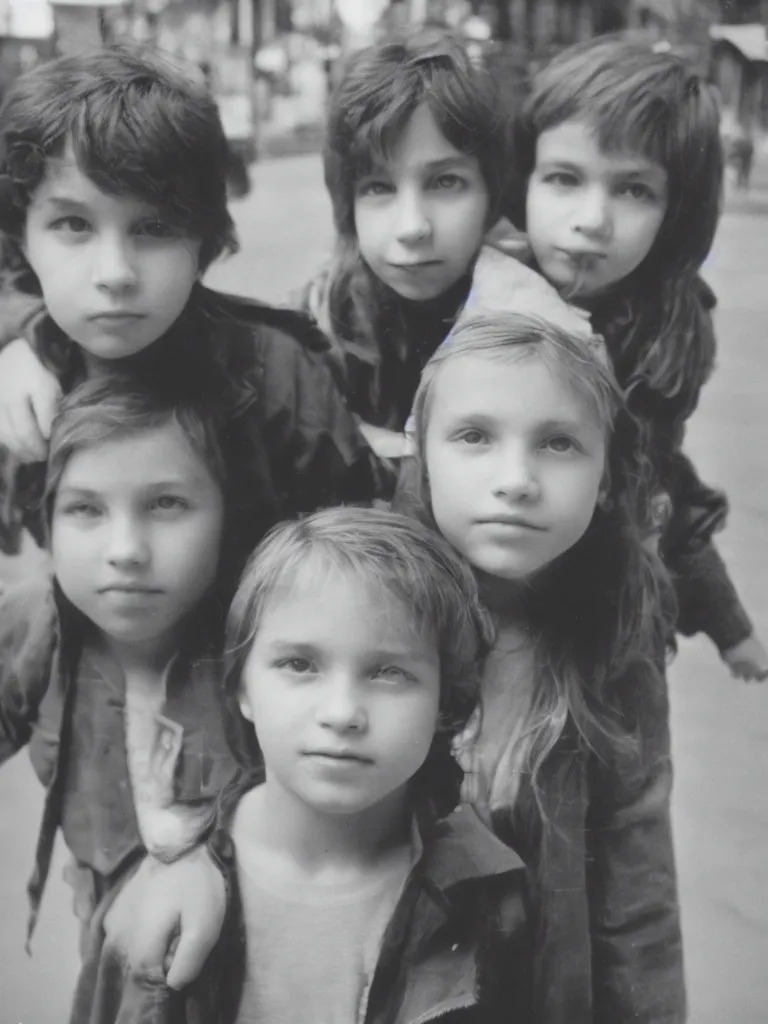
x=170, y=917
x=632, y=885
x=114, y=985
x=29, y=393
x=27, y=635
x=707, y=599
x=319, y=454
x=29, y=398
x=187, y=907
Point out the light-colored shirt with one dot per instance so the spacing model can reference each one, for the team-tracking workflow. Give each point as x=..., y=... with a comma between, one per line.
x=153, y=744
x=491, y=751
x=311, y=948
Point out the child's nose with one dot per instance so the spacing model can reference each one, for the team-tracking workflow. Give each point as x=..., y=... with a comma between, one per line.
x=114, y=266
x=342, y=709
x=515, y=478
x=412, y=220
x=128, y=545
x=593, y=215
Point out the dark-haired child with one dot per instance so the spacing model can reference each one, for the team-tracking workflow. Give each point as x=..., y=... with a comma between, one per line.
x=112, y=204
x=111, y=666
x=357, y=892
x=416, y=165
x=619, y=164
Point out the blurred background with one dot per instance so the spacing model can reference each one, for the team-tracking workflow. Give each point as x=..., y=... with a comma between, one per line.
x=270, y=64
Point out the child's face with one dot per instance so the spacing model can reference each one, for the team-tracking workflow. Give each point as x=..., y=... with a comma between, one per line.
x=114, y=276
x=343, y=694
x=591, y=216
x=515, y=459
x=420, y=219
x=135, y=534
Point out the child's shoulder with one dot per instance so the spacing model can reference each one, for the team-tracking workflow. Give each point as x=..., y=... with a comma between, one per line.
x=27, y=618
x=279, y=339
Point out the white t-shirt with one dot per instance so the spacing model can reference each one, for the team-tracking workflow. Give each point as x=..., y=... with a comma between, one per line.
x=311, y=949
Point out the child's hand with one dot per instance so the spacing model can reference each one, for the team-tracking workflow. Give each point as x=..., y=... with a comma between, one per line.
x=181, y=919
x=387, y=444
x=29, y=397
x=747, y=660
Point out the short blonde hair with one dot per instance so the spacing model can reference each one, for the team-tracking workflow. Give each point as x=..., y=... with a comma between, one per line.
x=401, y=558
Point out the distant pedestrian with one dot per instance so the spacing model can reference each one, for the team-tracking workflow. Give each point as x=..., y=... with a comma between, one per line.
x=742, y=156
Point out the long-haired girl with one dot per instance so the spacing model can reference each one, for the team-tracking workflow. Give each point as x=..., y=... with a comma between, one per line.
x=618, y=167
x=529, y=465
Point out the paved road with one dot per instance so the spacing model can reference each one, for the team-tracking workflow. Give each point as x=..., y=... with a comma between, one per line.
x=720, y=727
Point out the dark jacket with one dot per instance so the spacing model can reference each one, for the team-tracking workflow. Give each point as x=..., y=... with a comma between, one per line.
x=457, y=948
x=604, y=905
x=55, y=700
x=289, y=442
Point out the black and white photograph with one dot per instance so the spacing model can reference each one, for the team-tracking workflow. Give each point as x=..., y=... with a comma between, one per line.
x=383, y=603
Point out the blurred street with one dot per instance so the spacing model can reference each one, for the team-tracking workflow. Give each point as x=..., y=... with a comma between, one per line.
x=720, y=727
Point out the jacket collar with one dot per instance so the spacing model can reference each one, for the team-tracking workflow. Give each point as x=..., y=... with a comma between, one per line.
x=461, y=848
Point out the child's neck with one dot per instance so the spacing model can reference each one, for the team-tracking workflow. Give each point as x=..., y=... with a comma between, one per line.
x=148, y=659
x=318, y=845
x=504, y=598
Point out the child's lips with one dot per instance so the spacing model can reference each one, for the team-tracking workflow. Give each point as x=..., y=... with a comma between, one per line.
x=338, y=756
x=116, y=317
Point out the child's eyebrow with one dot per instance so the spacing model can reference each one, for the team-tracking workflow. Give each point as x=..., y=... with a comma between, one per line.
x=66, y=203
x=556, y=161
x=459, y=160
x=561, y=423
x=71, y=491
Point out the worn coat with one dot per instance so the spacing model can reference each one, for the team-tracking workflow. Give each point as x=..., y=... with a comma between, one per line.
x=53, y=700
x=457, y=948
x=288, y=440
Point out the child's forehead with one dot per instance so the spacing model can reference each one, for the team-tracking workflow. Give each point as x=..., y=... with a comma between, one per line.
x=318, y=580
x=66, y=180
x=417, y=139
x=622, y=148
x=481, y=383
x=135, y=458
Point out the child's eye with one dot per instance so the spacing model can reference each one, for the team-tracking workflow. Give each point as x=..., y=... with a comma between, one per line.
x=170, y=503
x=472, y=436
x=562, y=179
x=449, y=182
x=638, y=190
x=374, y=188
x=80, y=510
x=561, y=444
x=156, y=228
x=71, y=224
x=393, y=674
x=299, y=666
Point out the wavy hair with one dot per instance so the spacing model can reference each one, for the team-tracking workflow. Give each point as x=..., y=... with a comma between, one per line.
x=378, y=93
x=403, y=562
x=598, y=614
x=657, y=105
x=136, y=126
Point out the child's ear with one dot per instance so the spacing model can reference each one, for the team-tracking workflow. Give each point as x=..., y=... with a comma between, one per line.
x=245, y=704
